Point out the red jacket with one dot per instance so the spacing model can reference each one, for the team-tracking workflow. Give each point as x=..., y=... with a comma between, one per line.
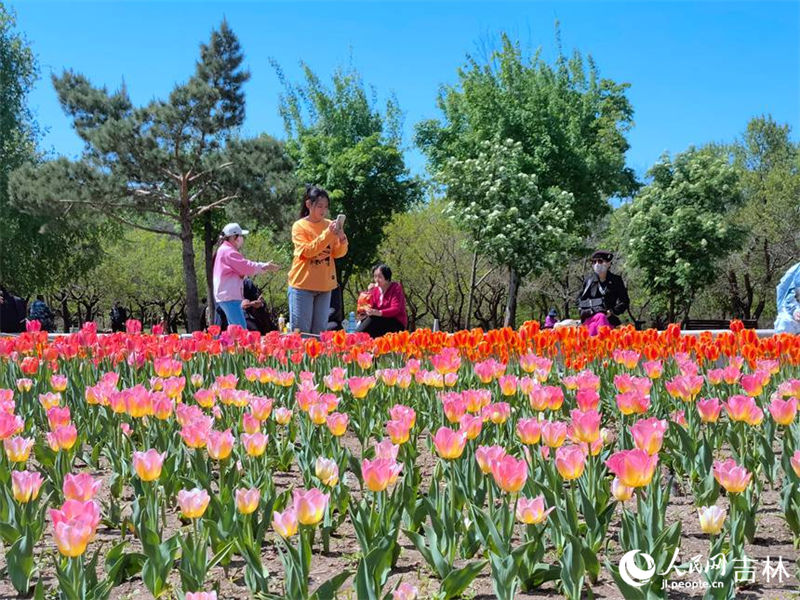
x=393, y=305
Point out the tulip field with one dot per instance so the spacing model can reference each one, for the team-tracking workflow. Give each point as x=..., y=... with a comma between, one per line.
x=501, y=464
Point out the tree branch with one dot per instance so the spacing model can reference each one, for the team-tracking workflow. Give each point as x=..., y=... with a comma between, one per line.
x=142, y=227
x=197, y=176
x=213, y=205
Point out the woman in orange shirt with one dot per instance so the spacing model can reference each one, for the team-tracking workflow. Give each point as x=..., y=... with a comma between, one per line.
x=317, y=242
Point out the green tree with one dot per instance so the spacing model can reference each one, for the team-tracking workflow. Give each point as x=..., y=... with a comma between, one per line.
x=39, y=251
x=164, y=166
x=769, y=167
x=565, y=129
x=342, y=142
x=677, y=230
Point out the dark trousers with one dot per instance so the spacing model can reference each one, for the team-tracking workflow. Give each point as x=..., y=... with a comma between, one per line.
x=377, y=326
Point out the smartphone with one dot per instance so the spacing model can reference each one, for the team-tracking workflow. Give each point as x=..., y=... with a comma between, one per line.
x=340, y=221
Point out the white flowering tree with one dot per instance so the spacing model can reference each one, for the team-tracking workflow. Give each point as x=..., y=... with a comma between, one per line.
x=568, y=129
x=509, y=217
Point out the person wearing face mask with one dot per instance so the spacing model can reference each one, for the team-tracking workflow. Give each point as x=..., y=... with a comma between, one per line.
x=230, y=269
x=603, y=296
x=788, y=301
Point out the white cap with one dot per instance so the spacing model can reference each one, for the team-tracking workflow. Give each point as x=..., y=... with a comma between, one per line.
x=233, y=229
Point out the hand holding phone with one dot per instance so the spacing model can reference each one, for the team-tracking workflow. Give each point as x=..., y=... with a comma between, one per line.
x=340, y=222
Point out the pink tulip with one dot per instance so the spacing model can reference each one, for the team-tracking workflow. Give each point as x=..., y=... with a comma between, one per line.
x=587, y=399
x=81, y=487
x=285, y=523
x=386, y=449
x=554, y=433
x=620, y=491
x=633, y=402
x=585, y=426
x=327, y=471
x=310, y=505
x=570, y=462
x=648, y=434
x=219, y=444
x=529, y=431
x=449, y=444
x=744, y=409
x=193, y=503
x=25, y=485
x=201, y=596
x=709, y=409
x=148, y=464
x=783, y=411
x=795, y=462
x=18, y=448
x=732, y=477
x=634, y=468
x=337, y=423
x=486, y=455
x=509, y=473
x=255, y=444
x=531, y=511
x=247, y=500
x=379, y=473
x=470, y=426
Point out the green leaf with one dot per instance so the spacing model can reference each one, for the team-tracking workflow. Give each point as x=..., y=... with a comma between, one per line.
x=327, y=590
x=20, y=563
x=459, y=579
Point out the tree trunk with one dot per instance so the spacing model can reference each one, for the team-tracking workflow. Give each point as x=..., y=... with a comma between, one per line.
x=511, y=302
x=190, y=275
x=472, y=288
x=65, y=313
x=209, y=238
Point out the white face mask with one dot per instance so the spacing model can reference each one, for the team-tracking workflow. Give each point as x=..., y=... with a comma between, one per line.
x=600, y=268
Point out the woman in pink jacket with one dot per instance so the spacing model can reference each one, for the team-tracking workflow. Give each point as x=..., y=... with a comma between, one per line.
x=387, y=311
x=230, y=269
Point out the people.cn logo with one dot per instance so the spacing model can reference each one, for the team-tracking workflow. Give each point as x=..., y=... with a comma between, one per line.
x=632, y=574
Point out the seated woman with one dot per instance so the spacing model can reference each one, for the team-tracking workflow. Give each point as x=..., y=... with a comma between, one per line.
x=603, y=296
x=788, y=299
x=387, y=310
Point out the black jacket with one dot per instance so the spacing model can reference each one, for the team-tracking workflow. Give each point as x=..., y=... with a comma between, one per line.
x=596, y=297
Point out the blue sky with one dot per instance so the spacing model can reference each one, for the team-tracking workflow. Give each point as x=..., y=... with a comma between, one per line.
x=698, y=70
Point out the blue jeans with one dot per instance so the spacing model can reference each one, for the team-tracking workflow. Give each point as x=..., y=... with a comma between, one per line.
x=234, y=313
x=308, y=311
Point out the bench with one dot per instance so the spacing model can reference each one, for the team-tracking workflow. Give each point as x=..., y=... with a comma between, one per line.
x=698, y=324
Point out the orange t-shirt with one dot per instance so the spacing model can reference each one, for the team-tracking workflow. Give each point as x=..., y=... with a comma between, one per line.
x=315, y=248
